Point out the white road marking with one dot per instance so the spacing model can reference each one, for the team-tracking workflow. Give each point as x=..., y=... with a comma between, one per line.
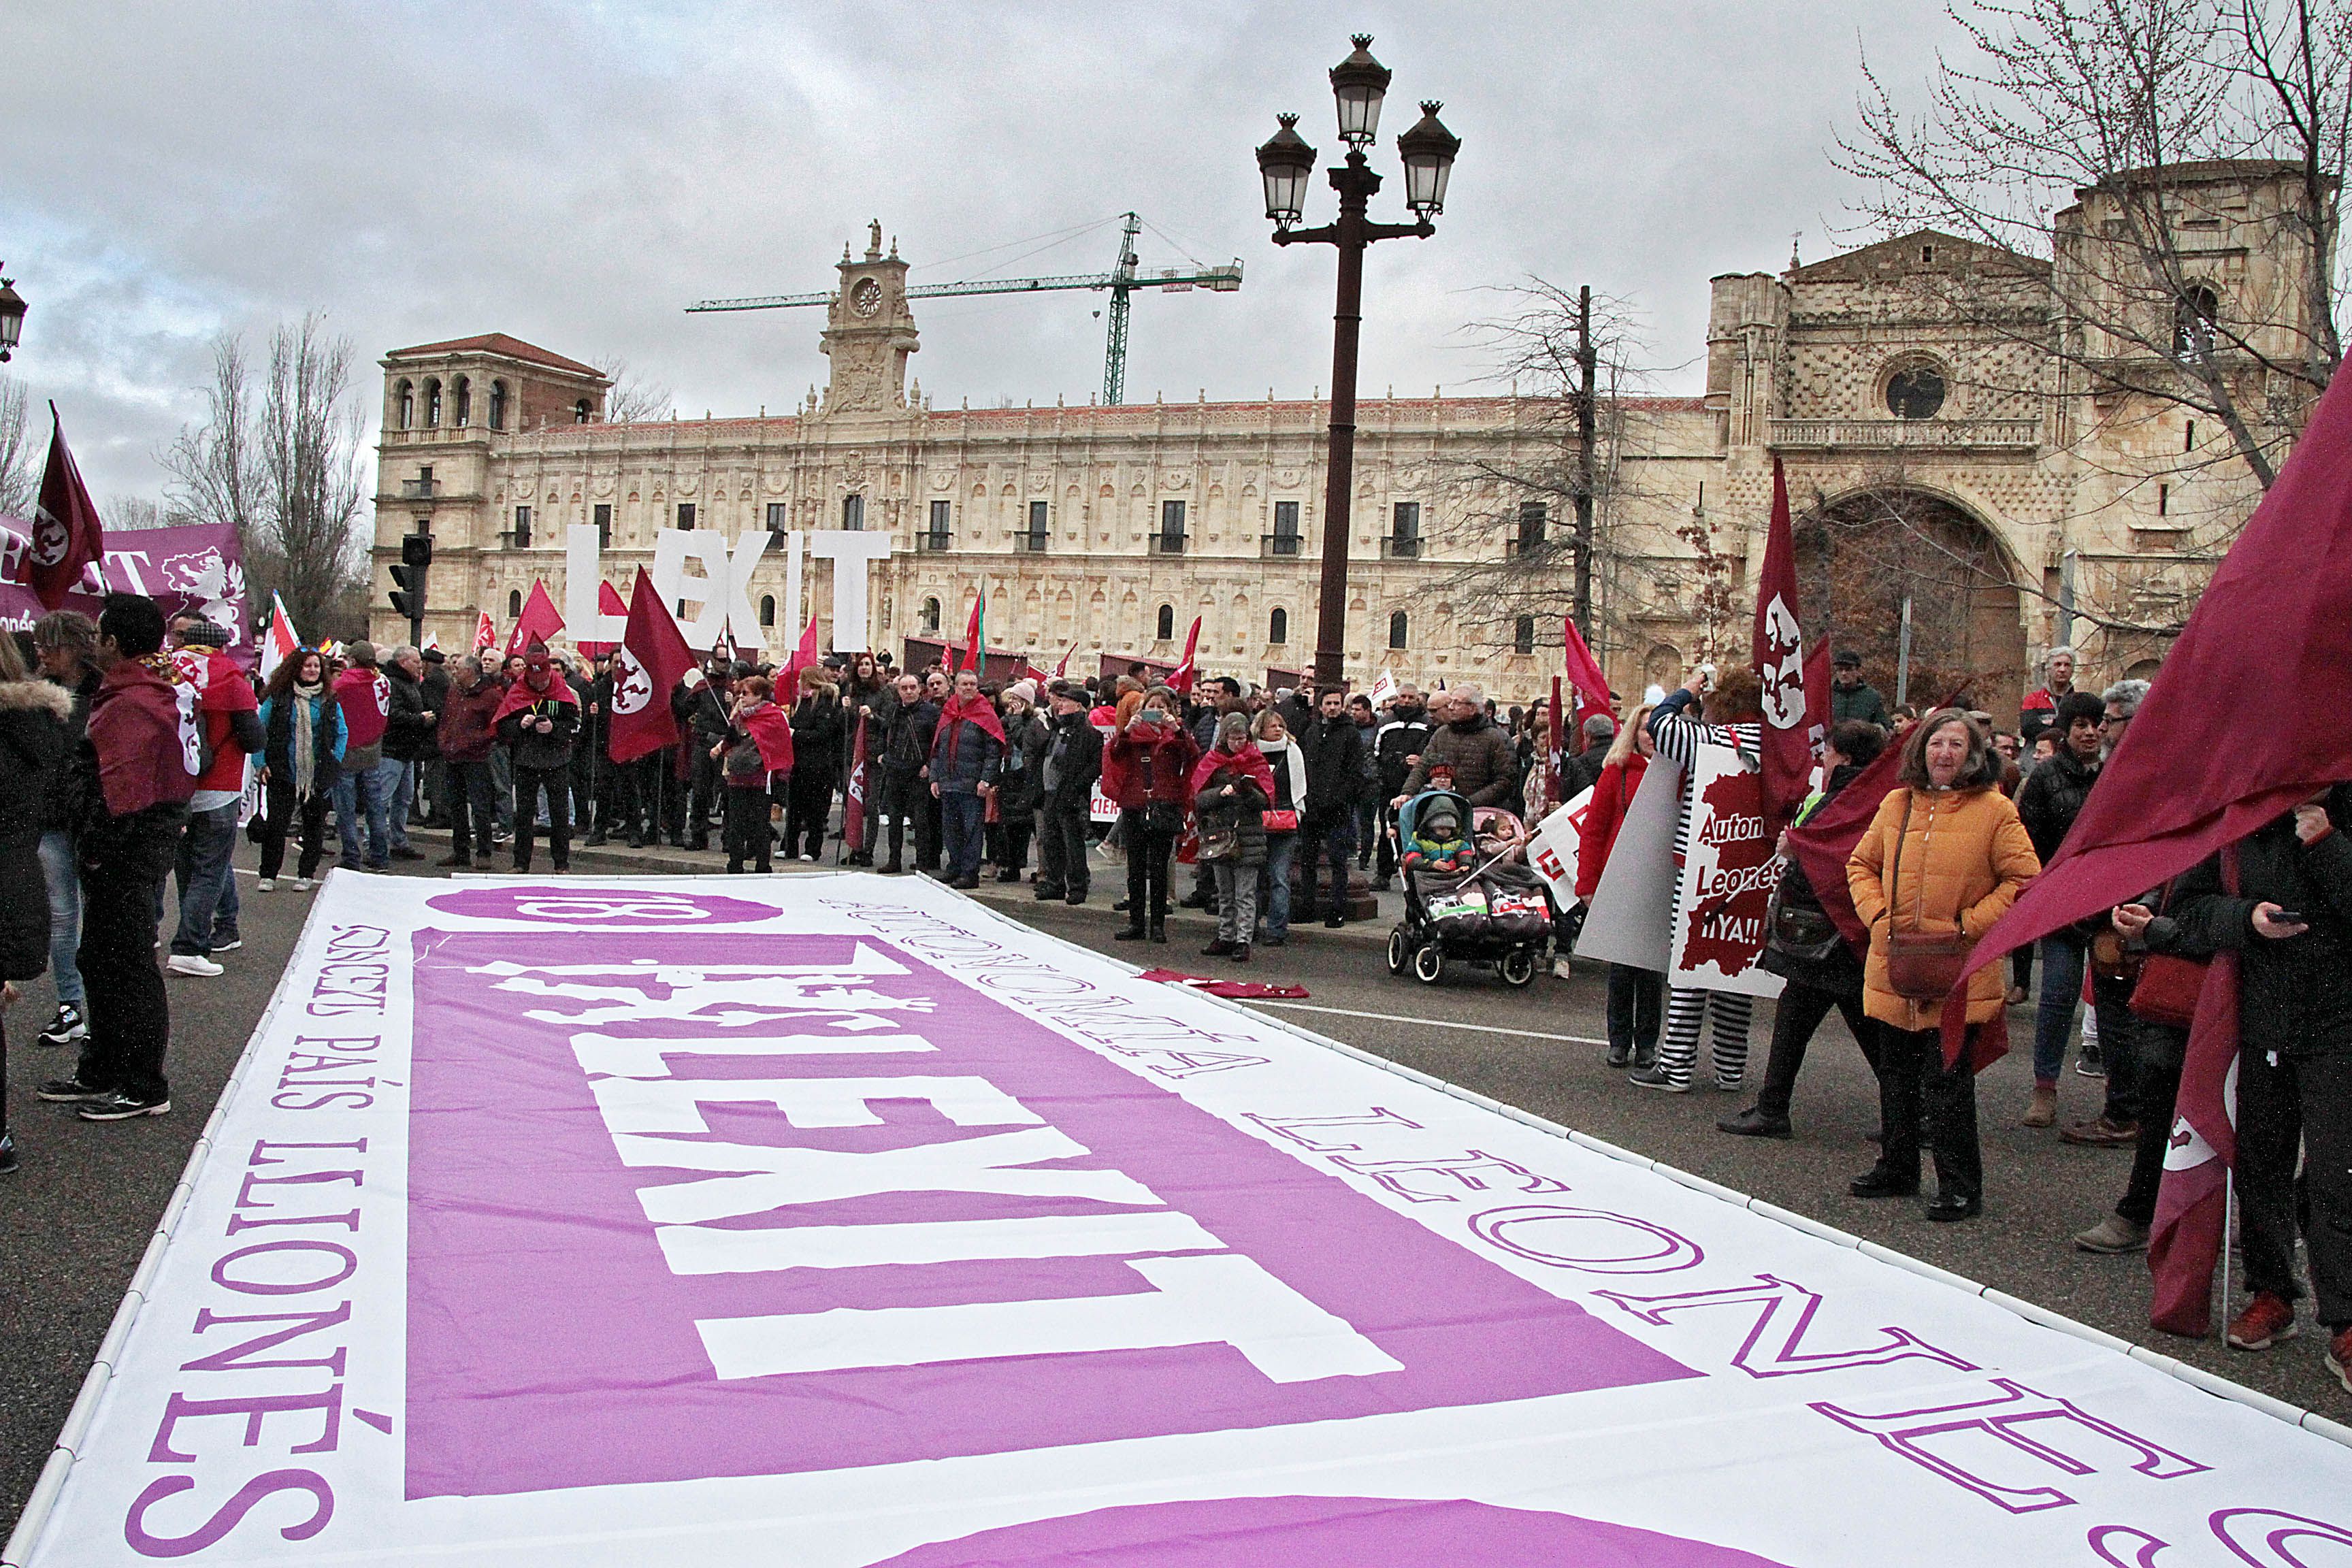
x=1427, y=1023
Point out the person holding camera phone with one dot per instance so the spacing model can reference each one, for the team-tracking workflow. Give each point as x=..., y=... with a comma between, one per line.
x=1151, y=757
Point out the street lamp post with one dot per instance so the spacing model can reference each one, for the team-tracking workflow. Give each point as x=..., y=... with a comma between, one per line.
x=12, y=317
x=1285, y=163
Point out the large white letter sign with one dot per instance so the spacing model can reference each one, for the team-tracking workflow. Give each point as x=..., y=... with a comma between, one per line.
x=850, y=551
x=584, y=569
x=750, y=545
x=673, y=548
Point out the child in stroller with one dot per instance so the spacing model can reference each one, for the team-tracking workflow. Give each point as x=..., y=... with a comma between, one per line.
x=1468, y=894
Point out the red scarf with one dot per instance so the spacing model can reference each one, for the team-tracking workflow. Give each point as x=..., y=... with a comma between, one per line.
x=978, y=709
x=1248, y=762
x=520, y=696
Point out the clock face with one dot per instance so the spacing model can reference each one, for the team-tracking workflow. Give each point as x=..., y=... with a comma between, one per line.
x=867, y=297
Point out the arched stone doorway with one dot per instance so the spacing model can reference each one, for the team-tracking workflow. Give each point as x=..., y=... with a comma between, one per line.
x=1860, y=556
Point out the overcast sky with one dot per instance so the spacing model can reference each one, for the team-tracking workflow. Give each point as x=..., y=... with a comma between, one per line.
x=575, y=173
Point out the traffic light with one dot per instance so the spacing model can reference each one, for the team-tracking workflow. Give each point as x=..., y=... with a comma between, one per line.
x=408, y=581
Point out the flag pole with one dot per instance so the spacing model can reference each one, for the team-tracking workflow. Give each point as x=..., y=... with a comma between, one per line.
x=2229, y=1215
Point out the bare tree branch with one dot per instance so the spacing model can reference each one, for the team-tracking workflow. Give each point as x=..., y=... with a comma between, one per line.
x=635, y=397
x=20, y=481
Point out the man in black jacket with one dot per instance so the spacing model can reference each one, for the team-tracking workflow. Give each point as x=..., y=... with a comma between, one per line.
x=907, y=777
x=2294, y=1057
x=1071, y=763
x=1396, y=746
x=541, y=717
x=701, y=714
x=1333, y=750
x=432, y=778
x=2048, y=802
x=408, y=739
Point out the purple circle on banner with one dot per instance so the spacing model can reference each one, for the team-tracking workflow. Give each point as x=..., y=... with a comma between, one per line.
x=1322, y=1532
x=578, y=905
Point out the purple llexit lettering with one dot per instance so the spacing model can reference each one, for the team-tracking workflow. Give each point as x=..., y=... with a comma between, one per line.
x=625, y=1265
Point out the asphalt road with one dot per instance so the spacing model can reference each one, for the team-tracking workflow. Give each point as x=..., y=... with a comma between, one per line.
x=76, y=1220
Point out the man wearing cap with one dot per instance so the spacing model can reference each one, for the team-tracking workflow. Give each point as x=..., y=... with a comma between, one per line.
x=364, y=695
x=1067, y=774
x=1852, y=698
x=224, y=706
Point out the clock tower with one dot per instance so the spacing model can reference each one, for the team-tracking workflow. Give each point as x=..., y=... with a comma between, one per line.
x=868, y=332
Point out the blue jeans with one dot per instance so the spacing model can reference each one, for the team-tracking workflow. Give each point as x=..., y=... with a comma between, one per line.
x=397, y=782
x=960, y=818
x=1274, y=882
x=64, y=879
x=2061, y=991
x=208, y=907
x=358, y=795
x=1331, y=842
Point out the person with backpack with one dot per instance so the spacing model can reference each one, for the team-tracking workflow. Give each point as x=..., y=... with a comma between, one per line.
x=1804, y=947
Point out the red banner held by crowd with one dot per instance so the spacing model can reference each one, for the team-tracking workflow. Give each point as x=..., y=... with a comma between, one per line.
x=1780, y=664
x=66, y=534
x=652, y=659
x=1584, y=674
x=539, y=621
x=608, y=602
x=853, y=799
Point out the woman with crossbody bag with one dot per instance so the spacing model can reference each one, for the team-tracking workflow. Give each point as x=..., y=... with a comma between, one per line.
x=1944, y=858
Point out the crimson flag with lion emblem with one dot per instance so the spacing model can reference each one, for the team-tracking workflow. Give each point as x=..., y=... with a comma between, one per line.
x=67, y=535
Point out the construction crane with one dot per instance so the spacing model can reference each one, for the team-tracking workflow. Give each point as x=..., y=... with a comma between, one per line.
x=1121, y=281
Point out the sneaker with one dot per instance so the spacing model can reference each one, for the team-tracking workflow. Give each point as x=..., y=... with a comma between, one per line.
x=192, y=964
x=7, y=1154
x=1650, y=1078
x=2113, y=1234
x=67, y=1027
x=231, y=945
x=2101, y=1133
x=70, y=1091
x=303, y=884
x=2091, y=1064
x=2339, y=1350
x=2266, y=1320
x=122, y=1108
x=1333, y=923
x=266, y=885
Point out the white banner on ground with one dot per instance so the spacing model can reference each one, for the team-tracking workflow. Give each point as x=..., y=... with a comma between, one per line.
x=1633, y=904
x=1724, y=893
x=1553, y=854
x=839, y=1219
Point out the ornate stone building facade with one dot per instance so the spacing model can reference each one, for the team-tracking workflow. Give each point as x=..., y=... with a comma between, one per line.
x=1937, y=451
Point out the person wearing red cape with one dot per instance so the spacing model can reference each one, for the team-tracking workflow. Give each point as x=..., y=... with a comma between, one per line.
x=537, y=719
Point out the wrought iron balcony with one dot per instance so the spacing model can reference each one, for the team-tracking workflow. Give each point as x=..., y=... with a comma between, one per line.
x=1273, y=544
x=931, y=542
x=1164, y=543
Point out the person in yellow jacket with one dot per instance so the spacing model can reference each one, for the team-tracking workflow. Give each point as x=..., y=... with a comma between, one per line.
x=1945, y=853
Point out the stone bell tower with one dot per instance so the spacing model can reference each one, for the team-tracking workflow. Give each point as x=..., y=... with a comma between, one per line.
x=868, y=332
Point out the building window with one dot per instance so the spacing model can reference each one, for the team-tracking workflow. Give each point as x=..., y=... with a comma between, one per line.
x=1405, y=531
x=580, y=412
x=432, y=402
x=930, y=614
x=1523, y=636
x=1915, y=392
x=2194, y=315
x=853, y=513
x=1277, y=627
x=1286, y=529
x=1533, y=515
x=1172, y=528
x=2163, y=500
x=1397, y=629
x=465, y=401
x=407, y=400
x=514, y=603
x=604, y=515
x=686, y=516
x=1040, y=517
x=497, y=405
x=935, y=527
x=767, y=609
x=523, y=528
x=779, y=523
x=1166, y=631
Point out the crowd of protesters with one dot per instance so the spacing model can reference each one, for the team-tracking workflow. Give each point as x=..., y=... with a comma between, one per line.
x=1276, y=796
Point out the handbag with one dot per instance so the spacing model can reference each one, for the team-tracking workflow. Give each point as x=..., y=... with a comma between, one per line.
x=1923, y=965
x=2168, y=985
x=1163, y=816
x=1281, y=819
x=1795, y=932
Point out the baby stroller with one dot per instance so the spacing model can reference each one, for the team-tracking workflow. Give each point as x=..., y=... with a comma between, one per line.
x=1482, y=906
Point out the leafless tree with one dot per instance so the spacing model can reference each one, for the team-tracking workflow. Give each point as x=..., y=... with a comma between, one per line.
x=282, y=462
x=1525, y=497
x=20, y=479
x=128, y=514
x=2071, y=133
x=633, y=396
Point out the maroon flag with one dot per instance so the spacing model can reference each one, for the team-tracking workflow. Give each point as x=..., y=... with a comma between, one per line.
x=652, y=659
x=67, y=535
x=853, y=799
x=1779, y=652
x=1584, y=674
x=771, y=729
x=538, y=622
x=1180, y=680
x=1818, y=714
x=2184, y=1239
x=608, y=603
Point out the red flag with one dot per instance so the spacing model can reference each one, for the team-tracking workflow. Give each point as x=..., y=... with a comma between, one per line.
x=1779, y=653
x=1180, y=680
x=975, y=638
x=2184, y=1240
x=2275, y=618
x=1584, y=674
x=66, y=534
x=771, y=729
x=853, y=799
x=1063, y=668
x=652, y=659
x=804, y=656
x=1554, y=756
x=538, y=622
x=1818, y=714
x=608, y=603
x=486, y=636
